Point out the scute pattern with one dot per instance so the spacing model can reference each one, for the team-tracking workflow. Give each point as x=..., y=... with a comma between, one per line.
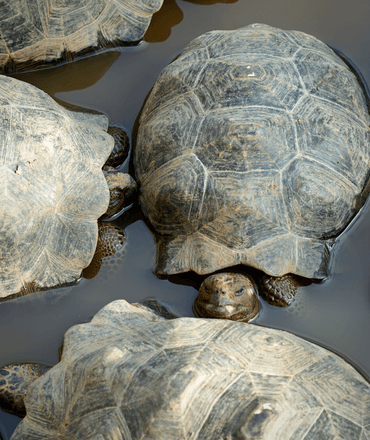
x=34, y=32
x=130, y=374
x=52, y=188
x=275, y=129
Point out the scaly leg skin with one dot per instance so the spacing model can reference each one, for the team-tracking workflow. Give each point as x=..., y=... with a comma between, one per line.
x=111, y=239
x=14, y=381
x=279, y=291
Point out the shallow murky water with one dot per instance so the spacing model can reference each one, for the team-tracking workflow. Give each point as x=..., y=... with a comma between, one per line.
x=335, y=313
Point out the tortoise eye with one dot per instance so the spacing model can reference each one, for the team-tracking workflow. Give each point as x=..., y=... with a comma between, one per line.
x=205, y=291
x=240, y=291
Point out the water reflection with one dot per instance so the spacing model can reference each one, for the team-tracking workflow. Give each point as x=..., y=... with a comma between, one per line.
x=169, y=16
x=162, y=21
x=78, y=75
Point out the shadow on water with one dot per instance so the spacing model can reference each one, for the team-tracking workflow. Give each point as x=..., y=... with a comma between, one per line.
x=78, y=75
x=169, y=16
x=163, y=21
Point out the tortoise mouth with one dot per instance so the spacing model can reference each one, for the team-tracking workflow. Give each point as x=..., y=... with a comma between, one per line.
x=234, y=312
x=228, y=309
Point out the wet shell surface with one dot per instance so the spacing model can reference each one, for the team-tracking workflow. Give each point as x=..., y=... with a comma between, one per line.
x=37, y=32
x=131, y=374
x=253, y=148
x=52, y=188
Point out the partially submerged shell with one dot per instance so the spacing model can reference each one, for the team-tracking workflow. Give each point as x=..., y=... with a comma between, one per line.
x=52, y=188
x=130, y=374
x=253, y=148
x=33, y=33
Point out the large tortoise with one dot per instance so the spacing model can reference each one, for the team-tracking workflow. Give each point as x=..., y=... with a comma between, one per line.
x=130, y=374
x=35, y=33
x=52, y=188
x=253, y=149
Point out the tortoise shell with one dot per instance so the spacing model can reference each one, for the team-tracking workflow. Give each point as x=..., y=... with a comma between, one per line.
x=52, y=188
x=130, y=374
x=253, y=148
x=33, y=33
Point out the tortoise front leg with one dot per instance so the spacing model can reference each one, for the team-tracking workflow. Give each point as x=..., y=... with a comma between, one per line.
x=279, y=291
x=14, y=381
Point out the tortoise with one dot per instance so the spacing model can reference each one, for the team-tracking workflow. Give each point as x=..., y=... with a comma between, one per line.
x=37, y=34
x=253, y=151
x=52, y=189
x=131, y=374
x=15, y=379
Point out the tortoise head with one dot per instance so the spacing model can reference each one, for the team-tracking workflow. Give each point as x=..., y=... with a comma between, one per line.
x=122, y=187
x=122, y=190
x=227, y=296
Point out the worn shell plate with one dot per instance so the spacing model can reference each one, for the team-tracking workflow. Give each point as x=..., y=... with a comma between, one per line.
x=52, y=188
x=253, y=148
x=130, y=374
x=33, y=31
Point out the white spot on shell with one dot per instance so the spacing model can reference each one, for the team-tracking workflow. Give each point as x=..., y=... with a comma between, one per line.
x=49, y=144
x=264, y=406
x=113, y=355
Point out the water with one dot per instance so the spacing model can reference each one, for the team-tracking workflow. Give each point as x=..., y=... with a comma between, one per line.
x=335, y=313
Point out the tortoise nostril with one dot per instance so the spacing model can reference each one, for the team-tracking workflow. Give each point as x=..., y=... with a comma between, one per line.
x=219, y=291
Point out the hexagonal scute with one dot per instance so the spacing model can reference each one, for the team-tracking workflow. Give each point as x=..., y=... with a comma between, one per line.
x=327, y=78
x=173, y=133
x=248, y=40
x=183, y=196
x=318, y=208
x=280, y=125
x=51, y=193
x=337, y=144
x=258, y=141
x=197, y=379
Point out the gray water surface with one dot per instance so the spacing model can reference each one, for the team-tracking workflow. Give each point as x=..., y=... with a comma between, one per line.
x=334, y=313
